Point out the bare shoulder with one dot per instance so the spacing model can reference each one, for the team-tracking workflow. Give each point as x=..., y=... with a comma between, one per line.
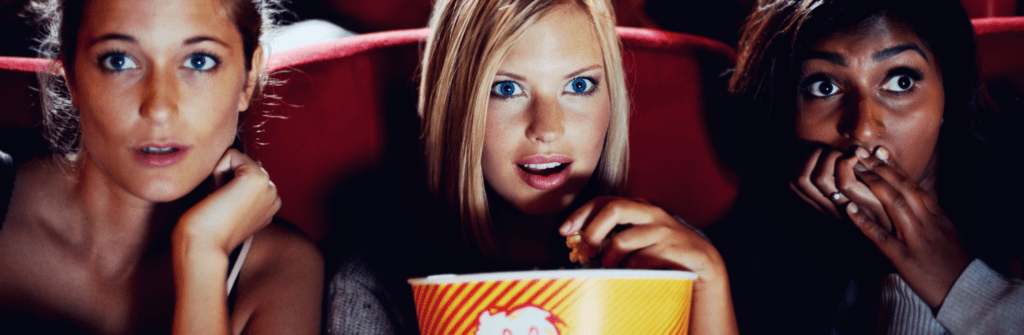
x=281, y=284
x=276, y=248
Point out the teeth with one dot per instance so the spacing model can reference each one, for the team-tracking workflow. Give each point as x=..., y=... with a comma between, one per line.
x=541, y=166
x=155, y=150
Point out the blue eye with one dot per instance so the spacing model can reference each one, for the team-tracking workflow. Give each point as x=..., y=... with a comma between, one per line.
x=822, y=88
x=580, y=85
x=200, y=62
x=506, y=89
x=117, y=61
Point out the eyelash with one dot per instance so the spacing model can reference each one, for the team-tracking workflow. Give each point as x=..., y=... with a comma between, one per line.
x=914, y=74
x=104, y=56
x=594, y=82
x=805, y=85
x=216, y=61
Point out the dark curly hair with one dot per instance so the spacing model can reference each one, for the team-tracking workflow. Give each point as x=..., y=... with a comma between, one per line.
x=58, y=22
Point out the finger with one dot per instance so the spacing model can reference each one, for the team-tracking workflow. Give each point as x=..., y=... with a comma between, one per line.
x=582, y=215
x=806, y=189
x=883, y=164
x=630, y=240
x=856, y=191
x=886, y=242
x=612, y=214
x=896, y=206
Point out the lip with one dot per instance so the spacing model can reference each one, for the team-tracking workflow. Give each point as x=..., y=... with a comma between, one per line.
x=547, y=182
x=545, y=160
x=161, y=160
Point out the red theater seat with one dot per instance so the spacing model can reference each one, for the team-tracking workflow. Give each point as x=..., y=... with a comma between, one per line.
x=1001, y=49
x=332, y=116
x=338, y=94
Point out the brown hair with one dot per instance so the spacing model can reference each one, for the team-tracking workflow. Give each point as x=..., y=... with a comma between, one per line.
x=59, y=21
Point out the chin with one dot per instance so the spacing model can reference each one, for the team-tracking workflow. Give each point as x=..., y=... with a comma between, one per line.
x=164, y=191
x=550, y=203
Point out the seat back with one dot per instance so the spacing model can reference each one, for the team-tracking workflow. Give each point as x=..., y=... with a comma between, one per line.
x=1001, y=48
x=344, y=100
x=339, y=94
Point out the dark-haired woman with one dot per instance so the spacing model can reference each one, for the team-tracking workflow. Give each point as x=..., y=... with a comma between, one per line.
x=145, y=220
x=866, y=114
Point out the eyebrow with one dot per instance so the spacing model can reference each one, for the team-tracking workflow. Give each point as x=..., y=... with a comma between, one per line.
x=199, y=39
x=571, y=75
x=129, y=39
x=578, y=72
x=830, y=57
x=896, y=50
x=111, y=37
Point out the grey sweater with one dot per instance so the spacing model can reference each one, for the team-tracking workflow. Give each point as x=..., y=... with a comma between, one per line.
x=981, y=301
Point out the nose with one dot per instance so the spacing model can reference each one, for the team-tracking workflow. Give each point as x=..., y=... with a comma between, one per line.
x=546, y=117
x=160, y=96
x=864, y=120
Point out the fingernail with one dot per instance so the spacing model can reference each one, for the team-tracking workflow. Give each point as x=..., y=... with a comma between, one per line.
x=862, y=153
x=860, y=167
x=882, y=154
x=852, y=207
x=566, y=228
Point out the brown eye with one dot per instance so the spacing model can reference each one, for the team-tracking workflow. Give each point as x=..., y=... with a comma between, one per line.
x=900, y=83
x=822, y=88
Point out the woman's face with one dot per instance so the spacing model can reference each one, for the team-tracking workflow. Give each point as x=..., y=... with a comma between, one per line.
x=547, y=115
x=873, y=85
x=159, y=85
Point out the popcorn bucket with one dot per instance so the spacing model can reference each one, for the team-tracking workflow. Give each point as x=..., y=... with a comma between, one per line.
x=555, y=302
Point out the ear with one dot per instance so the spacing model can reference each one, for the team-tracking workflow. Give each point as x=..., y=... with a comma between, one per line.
x=252, y=78
x=60, y=70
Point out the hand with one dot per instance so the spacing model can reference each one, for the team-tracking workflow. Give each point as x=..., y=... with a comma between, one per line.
x=651, y=239
x=654, y=239
x=235, y=210
x=817, y=185
x=921, y=242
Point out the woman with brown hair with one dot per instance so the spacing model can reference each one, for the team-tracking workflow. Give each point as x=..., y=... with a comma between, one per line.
x=877, y=106
x=145, y=219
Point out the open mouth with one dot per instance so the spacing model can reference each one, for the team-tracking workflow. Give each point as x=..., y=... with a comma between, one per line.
x=159, y=157
x=546, y=169
x=544, y=173
x=155, y=150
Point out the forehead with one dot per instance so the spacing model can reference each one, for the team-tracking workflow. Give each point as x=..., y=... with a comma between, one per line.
x=150, y=20
x=870, y=36
x=564, y=37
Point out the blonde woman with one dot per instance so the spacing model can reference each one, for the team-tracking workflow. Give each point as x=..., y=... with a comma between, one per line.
x=525, y=126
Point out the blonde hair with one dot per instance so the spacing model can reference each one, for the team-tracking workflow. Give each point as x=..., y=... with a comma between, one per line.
x=470, y=40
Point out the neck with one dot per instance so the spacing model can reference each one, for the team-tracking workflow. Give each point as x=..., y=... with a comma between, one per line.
x=114, y=230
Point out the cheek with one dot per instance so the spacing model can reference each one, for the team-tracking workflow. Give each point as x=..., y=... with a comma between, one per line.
x=499, y=145
x=810, y=124
x=589, y=124
x=917, y=136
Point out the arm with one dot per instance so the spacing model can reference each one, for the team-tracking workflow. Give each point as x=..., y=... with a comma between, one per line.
x=982, y=301
x=654, y=239
x=204, y=237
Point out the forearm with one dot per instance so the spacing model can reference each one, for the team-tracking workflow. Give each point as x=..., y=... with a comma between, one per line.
x=201, y=295
x=982, y=301
x=712, y=310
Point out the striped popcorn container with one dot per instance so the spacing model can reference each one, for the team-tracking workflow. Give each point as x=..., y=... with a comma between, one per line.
x=555, y=302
